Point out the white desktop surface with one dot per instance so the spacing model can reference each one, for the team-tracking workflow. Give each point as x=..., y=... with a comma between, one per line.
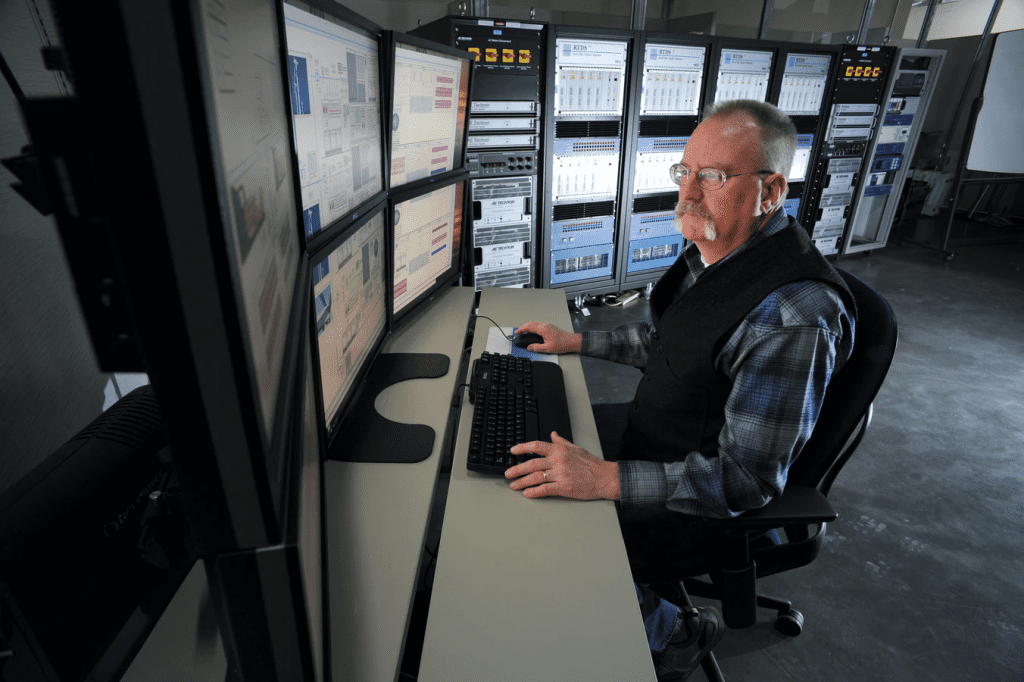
x=531, y=589
x=377, y=513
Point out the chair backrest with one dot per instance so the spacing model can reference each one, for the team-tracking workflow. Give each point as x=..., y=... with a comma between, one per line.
x=851, y=391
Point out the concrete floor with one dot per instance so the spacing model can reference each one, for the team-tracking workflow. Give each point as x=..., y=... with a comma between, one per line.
x=922, y=576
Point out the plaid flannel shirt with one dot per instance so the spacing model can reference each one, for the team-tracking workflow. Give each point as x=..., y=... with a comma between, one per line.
x=779, y=361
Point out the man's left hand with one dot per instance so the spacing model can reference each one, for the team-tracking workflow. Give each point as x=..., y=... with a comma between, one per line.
x=563, y=470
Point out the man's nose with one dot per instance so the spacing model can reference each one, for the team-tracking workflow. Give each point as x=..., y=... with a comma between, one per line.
x=690, y=189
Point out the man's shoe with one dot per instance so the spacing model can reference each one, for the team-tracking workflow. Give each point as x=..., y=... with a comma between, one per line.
x=697, y=633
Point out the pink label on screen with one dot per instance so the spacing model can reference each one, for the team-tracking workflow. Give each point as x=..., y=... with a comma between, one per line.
x=443, y=104
x=401, y=287
x=440, y=159
x=440, y=227
x=444, y=79
x=443, y=92
x=440, y=149
x=439, y=238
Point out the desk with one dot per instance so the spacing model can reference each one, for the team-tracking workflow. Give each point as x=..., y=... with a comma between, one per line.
x=531, y=589
x=523, y=589
x=377, y=513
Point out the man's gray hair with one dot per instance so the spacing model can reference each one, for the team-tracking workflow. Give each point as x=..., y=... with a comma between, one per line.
x=778, y=134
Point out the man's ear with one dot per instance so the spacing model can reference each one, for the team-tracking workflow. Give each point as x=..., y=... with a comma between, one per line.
x=771, y=192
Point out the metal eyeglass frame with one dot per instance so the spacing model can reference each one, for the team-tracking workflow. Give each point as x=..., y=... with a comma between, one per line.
x=675, y=172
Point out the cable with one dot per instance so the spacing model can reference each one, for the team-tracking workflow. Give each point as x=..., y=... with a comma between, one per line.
x=457, y=397
x=507, y=336
x=626, y=297
x=431, y=563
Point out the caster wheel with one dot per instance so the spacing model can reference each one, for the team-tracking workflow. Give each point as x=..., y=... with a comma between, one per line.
x=790, y=624
x=948, y=258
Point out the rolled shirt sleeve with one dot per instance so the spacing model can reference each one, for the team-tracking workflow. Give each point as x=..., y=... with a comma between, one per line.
x=627, y=344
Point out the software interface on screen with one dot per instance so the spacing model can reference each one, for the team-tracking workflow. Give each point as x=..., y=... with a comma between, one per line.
x=351, y=311
x=250, y=130
x=798, y=172
x=333, y=80
x=428, y=114
x=428, y=234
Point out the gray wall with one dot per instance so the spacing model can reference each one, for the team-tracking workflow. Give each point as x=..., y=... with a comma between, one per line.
x=50, y=384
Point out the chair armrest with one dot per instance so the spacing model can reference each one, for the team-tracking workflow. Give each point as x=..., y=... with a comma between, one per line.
x=796, y=504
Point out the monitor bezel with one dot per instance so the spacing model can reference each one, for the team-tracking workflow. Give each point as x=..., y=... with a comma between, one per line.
x=396, y=320
x=331, y=428
x=292, y=537
x=393, y=39
x=357, y=23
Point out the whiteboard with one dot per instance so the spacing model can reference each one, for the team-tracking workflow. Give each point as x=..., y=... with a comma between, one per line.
x=998, y=142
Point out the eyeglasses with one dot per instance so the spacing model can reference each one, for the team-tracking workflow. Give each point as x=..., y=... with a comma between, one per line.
x=709, y=178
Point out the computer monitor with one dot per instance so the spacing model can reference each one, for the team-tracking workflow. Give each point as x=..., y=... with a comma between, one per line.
x=249, y=129
x=336, y=105
x=426, y=243
x=272, y=600
x=349, y=281
x=304, y=523
x=802, y=158
x=429, y=104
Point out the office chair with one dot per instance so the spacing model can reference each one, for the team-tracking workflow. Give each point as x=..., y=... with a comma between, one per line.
x=751, y=547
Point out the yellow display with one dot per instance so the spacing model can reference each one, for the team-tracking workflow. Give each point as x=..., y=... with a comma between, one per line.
x=863, y=71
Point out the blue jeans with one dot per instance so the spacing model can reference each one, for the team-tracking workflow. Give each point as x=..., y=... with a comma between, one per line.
x=659, y=616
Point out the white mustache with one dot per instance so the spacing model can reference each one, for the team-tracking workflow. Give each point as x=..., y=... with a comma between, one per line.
x=692, y=209
x=710, y=229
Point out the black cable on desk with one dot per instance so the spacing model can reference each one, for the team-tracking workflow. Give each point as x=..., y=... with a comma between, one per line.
x=510, y=337
x=457, y=397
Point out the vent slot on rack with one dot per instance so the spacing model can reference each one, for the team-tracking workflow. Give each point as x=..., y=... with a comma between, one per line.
x=658, y=202
x=576, y=211
x=681, y=126
x=587, y=129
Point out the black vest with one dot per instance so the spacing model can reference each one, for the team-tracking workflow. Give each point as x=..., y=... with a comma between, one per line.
x=679, y=405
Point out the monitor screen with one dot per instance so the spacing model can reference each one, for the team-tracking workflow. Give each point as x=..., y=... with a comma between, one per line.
x=334, y=85
x=803, y=84
x=802, y=158
x=428, y=112
x=427, y=242
x=247, y=117
x=350, y=308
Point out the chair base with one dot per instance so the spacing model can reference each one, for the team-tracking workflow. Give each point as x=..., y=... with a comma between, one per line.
x=788, y=621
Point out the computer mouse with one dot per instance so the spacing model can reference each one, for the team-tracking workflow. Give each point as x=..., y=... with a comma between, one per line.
x=526, y=338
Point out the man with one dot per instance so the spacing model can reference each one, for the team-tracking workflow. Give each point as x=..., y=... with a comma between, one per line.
x=747, y=328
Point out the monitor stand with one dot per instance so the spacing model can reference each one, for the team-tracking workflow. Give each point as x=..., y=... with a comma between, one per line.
x=366, y=436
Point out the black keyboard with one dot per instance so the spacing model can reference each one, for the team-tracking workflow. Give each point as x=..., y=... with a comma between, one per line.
x=515, y=401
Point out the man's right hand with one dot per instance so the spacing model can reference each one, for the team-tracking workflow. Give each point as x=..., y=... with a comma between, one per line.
x=555, y=340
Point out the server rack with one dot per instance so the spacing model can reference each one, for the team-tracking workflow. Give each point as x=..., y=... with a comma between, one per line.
x=909, y=94
x=505, y=130
x=586, y=132
x=804, y=77
x=670, y=85
x=854, y=107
